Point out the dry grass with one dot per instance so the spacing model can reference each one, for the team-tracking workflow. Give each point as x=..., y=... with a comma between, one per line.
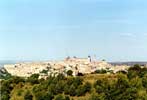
x=17, y=89
x=93, y=77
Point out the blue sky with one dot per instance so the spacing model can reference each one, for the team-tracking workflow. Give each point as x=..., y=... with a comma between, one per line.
x=115, y=30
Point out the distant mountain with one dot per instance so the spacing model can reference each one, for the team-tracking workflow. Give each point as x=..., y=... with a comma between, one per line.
x=128, y=63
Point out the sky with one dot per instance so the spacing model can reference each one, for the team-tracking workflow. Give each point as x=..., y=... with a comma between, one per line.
x=114, y=30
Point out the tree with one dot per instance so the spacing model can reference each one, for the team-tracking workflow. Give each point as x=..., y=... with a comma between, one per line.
x=59, y=88
x=66, y=89
x=47, y=95
x=44, y=71
x=28, y=96
x=60, y=77
x=144, y=81
x=59, y=97
x=19, y=92
x=69, y=72
x=83, y=89
x=87, y=87
x=6, y=86
x=5, y=96
x=136, y=68
x=102, y=71
x=34, y=76
x=72, y=91
x=80, y=74
x=80, y=91
x=96, y=96
x=77, y=81
x=33, y=79
x=67, y=98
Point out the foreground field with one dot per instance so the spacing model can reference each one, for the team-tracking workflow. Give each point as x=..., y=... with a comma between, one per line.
x=120, y=86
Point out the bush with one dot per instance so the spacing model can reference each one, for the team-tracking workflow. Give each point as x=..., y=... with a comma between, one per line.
x=62, y=97
x=132, y=74
x=80, y=91
x=44, y=95
x=83, y=89
x=28, y=96
x=122, y=82
x=72, y=91
x=80, y=74
x=5, y=96
x=136, y=68
x=44, y=71
x=102, y=71
x=59, y=77
x=59, y=88
x=77, y=81
x=69, y=72
x=33, y=79
x=87, y=87
x=6, y=86
x=96, y=96
x=34, y=76
x=66, y=89
x=19, y=92
x=144, y=81
x=59, y=97
x=67, y=98
x=17, y=80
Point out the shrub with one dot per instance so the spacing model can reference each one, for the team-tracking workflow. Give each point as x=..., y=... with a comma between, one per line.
x=77, y=81
x=69, y=72
x=5, y=96
x=87, y=87
x=144, y=81
x=80, y=74
x=59, y=97
x=33, y=79
x=80, y=91
x=72, y=91
x=96, y=96
x=66, y=89
x=102, y=71
x=59, y=87
x=136, y=68
x=34, y=76
x=28, y=96
x=83, y=89
x=60, y=77
x=67, y=98
x=44, y=71
x=44, y=95
x=19, y=92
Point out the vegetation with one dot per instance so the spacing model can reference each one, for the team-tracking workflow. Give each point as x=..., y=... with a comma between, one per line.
x=28, y=96
x=4, y=74
x=102, y=71
x=120, y=86
x=44, y=71
x=69, y=72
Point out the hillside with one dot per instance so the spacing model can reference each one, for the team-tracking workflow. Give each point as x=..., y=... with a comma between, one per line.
x=119, y=86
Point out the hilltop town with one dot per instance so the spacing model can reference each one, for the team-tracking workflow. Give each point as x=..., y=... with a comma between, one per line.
x=76, y=65
x=73, y=79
